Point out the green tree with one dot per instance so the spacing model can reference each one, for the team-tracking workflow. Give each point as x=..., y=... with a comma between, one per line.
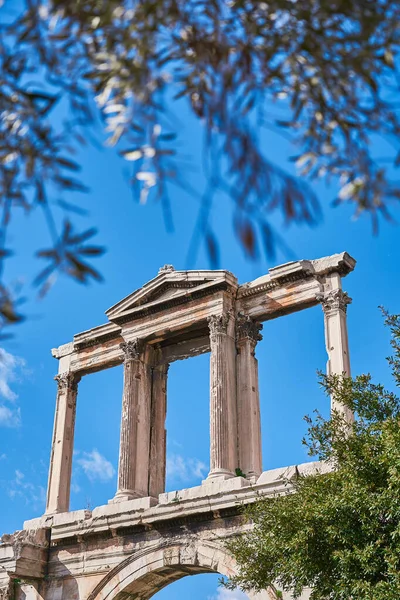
x=324, y=73
x=339, y=532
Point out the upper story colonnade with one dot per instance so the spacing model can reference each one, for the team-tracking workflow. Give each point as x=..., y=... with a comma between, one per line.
x=176, y=315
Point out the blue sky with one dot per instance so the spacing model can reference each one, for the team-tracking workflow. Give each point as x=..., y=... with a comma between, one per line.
x=138, y=244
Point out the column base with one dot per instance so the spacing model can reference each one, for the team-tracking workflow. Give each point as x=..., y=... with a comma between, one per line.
x=252, y=475
x=123, y=495
x=57, y=511
x=221, y=474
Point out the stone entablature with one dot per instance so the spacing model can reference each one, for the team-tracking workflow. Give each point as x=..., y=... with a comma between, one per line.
x=284, y=289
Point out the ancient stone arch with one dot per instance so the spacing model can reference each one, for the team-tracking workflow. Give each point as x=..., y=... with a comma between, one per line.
x=153, y=568
x=145, y=537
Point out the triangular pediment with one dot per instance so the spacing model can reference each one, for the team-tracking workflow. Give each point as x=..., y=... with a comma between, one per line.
x=170, y=286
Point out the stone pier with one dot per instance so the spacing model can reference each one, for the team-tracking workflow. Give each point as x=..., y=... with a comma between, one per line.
x=248, y=398
x=62, y=448
x=334, y=304
x=158, y=434
x=223, y=419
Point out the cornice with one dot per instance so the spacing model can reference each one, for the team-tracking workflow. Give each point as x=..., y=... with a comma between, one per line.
x=143, y=311
x=95, y=341
x=245, y=292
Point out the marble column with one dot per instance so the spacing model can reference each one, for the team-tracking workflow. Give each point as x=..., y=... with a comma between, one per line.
x=158, y=437
x=223, y=417
x=334, y=303
x=248, y=399
x=59, y=484
x=133, y=467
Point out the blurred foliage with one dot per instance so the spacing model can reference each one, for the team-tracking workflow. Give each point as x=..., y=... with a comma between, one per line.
x=337, y=532
x=328, y=66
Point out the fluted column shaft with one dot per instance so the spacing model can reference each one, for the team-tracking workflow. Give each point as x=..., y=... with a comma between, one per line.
x=158, y=435
x=133, y=467
x=59, y=483
x=334, y=304
x=223, y=417
x=248, y=400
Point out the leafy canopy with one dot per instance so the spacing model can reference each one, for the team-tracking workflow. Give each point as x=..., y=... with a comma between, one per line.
x=322, y=72
x=339, y=533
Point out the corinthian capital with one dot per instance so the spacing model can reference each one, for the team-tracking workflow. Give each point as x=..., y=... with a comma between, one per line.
x=67, y=381
x=334, y=301
x=132, y=349
x=246, y=328
x=218, y=323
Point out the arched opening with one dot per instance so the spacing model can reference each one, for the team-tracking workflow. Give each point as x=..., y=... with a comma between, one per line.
x=146, y=572
x=206, y=586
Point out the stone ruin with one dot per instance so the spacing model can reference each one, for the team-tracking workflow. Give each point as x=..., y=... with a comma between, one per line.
x=145, y=538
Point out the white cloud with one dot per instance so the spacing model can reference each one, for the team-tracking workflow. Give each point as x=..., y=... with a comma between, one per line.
x=185, y=469
x=175, y=443
x=10, y=368
x=75, y=488
x=10, y=417
x=176, y=467
x=10, y=365
x=96, y=467
x=31, y=493
x=224, y=594
x=198, y=468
